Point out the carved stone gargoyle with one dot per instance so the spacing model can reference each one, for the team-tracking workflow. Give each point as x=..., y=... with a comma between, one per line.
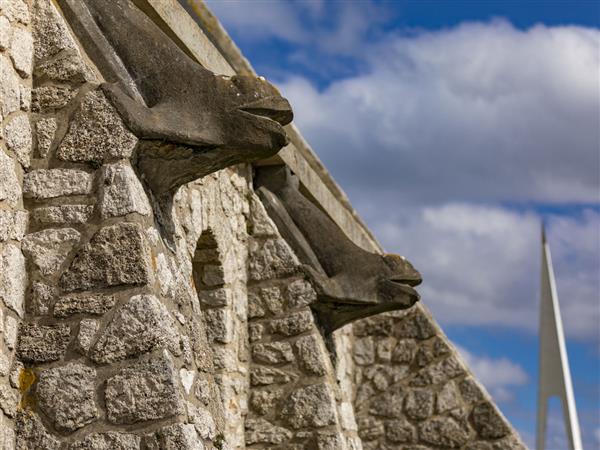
x=351, y=283
x=190, y=122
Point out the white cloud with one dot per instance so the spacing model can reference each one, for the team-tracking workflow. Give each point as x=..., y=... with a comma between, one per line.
x=480, y=112
x=481, y=264
x=498, y=375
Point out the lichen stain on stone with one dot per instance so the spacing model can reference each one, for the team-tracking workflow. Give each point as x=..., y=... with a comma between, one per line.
x=27, y=378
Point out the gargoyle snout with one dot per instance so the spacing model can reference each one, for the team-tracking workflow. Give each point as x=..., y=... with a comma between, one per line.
x=259, y=97
x=402, y=271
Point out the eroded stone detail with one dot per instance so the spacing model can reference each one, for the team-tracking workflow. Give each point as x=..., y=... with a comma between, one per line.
x=48, y=249
x=50, y=183
x=122, y=193
x=40, y=343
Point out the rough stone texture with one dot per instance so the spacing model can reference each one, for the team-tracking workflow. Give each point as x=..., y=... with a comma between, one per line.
x=96, y=304
x=272, y=260
x=116, y=255
x=13, y=278
x=85, y=337
x=17, y=133
x=9, y=87
x=311, y=406
x=122, y=193
x=293, y=324
x=273, y=353
x=48, y=249
x=96, y=133
x=39, y=343
x=10, y=190
x=32, y=435
x=488, y=422
x=111, y=440
x=443, y=432
x=66, y=396
x=140, y=325
x=260, y=431
x=21, y=51
x=50, y=99
x=311, y=357
x=145, y=391
x=50, y=183
x=9, y=399
x=65, y=67
x=176, y=436
x=66, y=214
x=49, y=31
x=45, y=130
x=12, y=224
x=5, y=33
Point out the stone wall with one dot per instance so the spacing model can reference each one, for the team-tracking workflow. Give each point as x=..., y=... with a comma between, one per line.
x=125, y=326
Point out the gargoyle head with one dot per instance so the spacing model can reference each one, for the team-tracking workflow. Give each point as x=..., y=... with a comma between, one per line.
x=190, y=121
x=351, y=283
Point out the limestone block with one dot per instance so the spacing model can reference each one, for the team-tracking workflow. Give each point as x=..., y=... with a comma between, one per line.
x=21, y=51
x=416, y=326
x=48, y=249
x=7, y=434
x=96, y=304
x=50, y=183
x=12, y=224
x=67, y=67
x=64, y=214
x=9, y=399
x=178, y=436
x=4, y=364
x=272, y=300
x=293, y=324
x=15, y=10
x=419, y=404
x=261, y=223
x=370, y=429
x=310, y=406
x=140, y=325
x=10, y=190
x=49, y=31
x=262, y=376
x=17, y=133
x=202, y=420
x=300, y=293
x=39, y=343
x=11, y=326
x=388, y=405
x=271, y=259
x=32, y=435
x=219, y=325
x=215, y=297
x=9, y=87
x=66, y=395
x=405, y=351
x=145, y=391
x=13, y=278
x=85, y=337
x=310, y=355
x=470, y=391
x=264, y=401
x=24, y=97
x=255, y=331
x=40, y=299
x=96, y=133
x=260, y=431
x=439, y=372
x=443, y=432
x=400, y=431
x=122, y=193
x=5, y=33
x=45, y=130
x=116, y=255
x=488, y=422
x=47, y=99
x=110, y=440
x=448, y=398
x=273, y=353
x=364, y=351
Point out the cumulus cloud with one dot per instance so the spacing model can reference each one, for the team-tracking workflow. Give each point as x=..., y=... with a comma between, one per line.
x=498, y=375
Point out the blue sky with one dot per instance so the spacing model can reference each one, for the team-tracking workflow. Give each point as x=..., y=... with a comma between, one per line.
x=456, y=127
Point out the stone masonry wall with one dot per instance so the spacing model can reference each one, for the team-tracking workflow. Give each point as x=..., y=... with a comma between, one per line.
x=16, y=54
x=412, y=391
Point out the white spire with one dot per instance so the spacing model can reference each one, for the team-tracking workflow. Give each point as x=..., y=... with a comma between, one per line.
x=554, y=373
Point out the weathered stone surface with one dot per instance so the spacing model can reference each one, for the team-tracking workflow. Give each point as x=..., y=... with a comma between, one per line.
x=39, y=343
x=145, y=391
x=11, y=326
x=48, y=249
x=300, y=293
x=439, y=372
x=10, y=189
x=400, y=431
x=7, y=434
x=49, y=31
x=15, y=11
x=85, y=337
x=111, y=440
x=370, y=429
x=40, y=298
x=388, y=405
x=122, y=193
x=9, y=87
x=488, y=422
x=263, y=401
x=416, y=326
x=310, y=355
x=470, y=390
x=310, y=406
x=5, y=33
x=17, y=133
x=273, y=353
x=13, y=278
x=50, y=183
x=215, y=297
x=218, y=325
x=419, y=404
x=448, y=398
x=178, y=436
x=66, y=396
x=202, y=420
x=21, y=51
x=64, y=214
x=45, y=130
x=96, y=304
x=262, y=376
x=4, y=364
x=9, y=399
x=140, y=325
x=48, y=99
x=405, y=351
x=293, y=324
x=116, y=255
x=32, y=435
x=12, y=224
x=24, y=97
x=271, y=259
x=96, y=133
x=65, y=67
x=443, y=432
x=364, y=351
x=260, y=431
